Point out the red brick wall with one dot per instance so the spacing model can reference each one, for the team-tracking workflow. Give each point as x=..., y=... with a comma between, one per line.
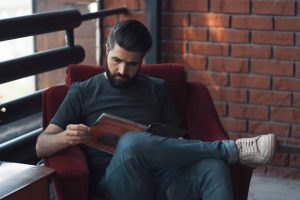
x=247, y=52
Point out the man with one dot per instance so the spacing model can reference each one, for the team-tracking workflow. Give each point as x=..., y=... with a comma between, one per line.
x=144, y=166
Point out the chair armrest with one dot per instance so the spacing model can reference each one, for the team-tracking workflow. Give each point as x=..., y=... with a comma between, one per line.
x=204, y=124
x=202, y=118
x=71, y=173
x=240, y=178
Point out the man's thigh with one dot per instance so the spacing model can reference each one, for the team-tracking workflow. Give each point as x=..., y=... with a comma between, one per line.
x=195, y=181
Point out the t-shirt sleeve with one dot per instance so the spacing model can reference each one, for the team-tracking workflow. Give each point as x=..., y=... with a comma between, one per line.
x=170, y=115
x=70, y=108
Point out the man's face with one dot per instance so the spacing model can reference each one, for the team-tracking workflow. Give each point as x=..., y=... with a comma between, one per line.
x=122, y=66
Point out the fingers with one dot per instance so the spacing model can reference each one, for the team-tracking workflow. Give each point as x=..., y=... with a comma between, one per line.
x=77, y=134
x=78, y=127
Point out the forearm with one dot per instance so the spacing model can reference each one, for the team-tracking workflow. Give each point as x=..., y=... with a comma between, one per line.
x=49, y=144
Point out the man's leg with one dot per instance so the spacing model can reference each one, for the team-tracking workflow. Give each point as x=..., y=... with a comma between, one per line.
x=207, y=179
x=130, y=174
x=139, y=155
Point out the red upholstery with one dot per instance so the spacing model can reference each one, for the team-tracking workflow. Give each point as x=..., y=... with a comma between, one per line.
x=193, y=103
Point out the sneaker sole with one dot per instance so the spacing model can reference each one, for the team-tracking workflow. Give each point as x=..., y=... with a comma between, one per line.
x=272, y=144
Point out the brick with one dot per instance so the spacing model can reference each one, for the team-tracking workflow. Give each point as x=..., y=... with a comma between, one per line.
x=190, y=61
x=234, y=136
x=286, y=84
x=210, y=20
x=298, y=70
x=278, y=7
x=228, y=94
x=141, y=4
x=295, y=131
x=133, y=15
x=221, y=109
x=252, y=22
x=281, y=159
x=208, y=78
x=298, y=39
x=287, y=53
x=86, y=30
x=82, y=1
x=287, y=24
x=50, y=41
x=264, y=127
x=294, y=173
x=245, y=111
x=296, y=100
x=89, y=45
x=209, y=49
x=234, y=125
x=252, y=51
x=110, y=20
x=230, y=6
x=250, y=81
x=129, y=4
x=272, y=67
x=276, y=171
x=228, y=64
x=48, y=79
x=295, y=161
x=187, y=5
x=290, y=115
x=263, y=97
x=273, y=38
x=289, y=141
x=188, y=34
x=260, y=171
x=195, y=34
x=229, y=35
x=106, y=32
x=175, y=19
x=174, y=47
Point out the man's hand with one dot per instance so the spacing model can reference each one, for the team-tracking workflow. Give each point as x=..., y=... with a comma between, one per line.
x=76, y=134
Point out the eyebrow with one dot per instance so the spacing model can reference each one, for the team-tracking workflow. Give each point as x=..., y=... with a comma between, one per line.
x=132, y=62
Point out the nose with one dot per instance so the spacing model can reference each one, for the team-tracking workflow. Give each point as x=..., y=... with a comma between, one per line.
x=123, y=68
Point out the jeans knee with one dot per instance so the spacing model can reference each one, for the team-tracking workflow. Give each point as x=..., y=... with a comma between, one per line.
x=219, y=166
x=132, y=143
x=215, y=167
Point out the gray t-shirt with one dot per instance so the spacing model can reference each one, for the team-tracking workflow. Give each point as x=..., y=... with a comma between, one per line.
x=145, y=102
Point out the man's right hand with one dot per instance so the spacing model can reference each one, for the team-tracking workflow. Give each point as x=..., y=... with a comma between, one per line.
x=76, y=134
x=55, y=139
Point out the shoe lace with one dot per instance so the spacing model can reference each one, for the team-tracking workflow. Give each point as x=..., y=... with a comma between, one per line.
x=246, y=146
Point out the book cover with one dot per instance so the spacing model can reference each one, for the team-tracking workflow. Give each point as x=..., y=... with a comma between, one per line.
x=108, y=129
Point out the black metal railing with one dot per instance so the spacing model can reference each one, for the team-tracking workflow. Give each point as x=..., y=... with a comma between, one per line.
x=31, y=105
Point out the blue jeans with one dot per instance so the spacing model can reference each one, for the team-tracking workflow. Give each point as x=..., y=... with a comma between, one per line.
x=146, y=166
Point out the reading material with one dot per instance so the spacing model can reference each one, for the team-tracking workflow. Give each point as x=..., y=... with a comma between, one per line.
x=109, y=128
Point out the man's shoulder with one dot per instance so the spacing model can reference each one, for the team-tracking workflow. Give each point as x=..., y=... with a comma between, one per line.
x=152, y=80
x=91, y=82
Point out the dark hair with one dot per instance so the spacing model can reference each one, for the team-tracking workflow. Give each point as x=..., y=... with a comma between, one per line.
x=131, y=35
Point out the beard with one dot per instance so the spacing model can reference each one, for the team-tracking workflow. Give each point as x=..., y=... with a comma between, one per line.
x=118, y=80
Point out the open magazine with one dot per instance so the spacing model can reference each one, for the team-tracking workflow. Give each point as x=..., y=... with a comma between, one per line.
x=109, y=128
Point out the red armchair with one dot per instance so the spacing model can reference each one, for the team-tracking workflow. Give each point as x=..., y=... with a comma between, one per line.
x=193, y=103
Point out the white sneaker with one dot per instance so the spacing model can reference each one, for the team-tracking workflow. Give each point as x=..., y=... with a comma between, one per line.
x=256, y=150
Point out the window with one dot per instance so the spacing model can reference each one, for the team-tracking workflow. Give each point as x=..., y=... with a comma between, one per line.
x=11, y=49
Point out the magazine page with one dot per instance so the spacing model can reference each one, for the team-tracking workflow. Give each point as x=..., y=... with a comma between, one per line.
x=108, y=129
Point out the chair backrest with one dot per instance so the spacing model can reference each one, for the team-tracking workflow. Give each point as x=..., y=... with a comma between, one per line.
x=173, y=74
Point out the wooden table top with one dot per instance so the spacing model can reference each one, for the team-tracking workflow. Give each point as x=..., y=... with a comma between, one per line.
x=15, y=176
